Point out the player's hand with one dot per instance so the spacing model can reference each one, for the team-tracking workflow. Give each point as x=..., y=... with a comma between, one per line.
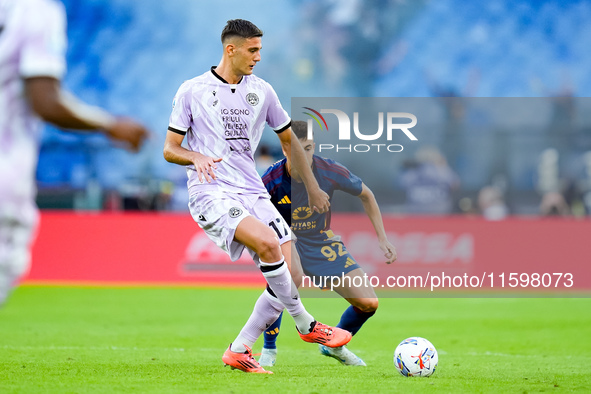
x=205, y=166
x=389, y=251
x=128, y=131
x=318, y=200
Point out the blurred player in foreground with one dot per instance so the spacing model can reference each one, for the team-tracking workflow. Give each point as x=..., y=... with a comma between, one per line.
x=322, y=253
x=32, y=63
x=223, y=113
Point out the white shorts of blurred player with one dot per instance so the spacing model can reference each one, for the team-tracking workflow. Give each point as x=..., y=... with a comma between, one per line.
x=18, y=227
x=219, y=214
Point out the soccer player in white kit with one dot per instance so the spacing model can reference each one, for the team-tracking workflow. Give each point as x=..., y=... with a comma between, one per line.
x=32, y=63
x=223, y=113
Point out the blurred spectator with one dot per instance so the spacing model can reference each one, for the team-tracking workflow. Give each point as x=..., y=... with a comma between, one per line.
x=564, y=109
x=112, y=201
x=561, y=128
x=429, y=183
x=352, y=33
x=492, y=204
x=467, y=207
x=578, y=193
x=548, y=171
x=554, y=204
x=453, y=101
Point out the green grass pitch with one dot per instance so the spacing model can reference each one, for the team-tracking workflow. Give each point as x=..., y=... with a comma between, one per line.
x=170, y=340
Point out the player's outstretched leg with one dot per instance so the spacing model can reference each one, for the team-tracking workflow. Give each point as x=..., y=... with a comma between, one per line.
x=242, y=361
x=269, y=352
x=265, y=312
x=353, y=318
x=309, y=329
x=351, y=321
x=263, y=241
x=364, y=304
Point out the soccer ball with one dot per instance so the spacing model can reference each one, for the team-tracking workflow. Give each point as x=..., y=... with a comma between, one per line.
x=415, y=356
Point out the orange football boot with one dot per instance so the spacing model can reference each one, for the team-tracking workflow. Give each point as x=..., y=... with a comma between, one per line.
x=243, y=361
x=327, y=336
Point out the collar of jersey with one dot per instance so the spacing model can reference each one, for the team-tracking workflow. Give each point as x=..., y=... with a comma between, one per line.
x=218, y=76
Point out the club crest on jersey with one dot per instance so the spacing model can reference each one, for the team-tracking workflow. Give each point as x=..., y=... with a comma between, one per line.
x=252, y=99
x=235, y=212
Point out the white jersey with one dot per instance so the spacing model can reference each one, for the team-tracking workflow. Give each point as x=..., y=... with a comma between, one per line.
x=227, y=121
x=32, y=44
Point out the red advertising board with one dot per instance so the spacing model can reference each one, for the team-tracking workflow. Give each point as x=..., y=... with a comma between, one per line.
x=131, y=248
x=172, y=249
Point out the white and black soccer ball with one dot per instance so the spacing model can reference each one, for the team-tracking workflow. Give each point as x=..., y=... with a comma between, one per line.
x=415, y=356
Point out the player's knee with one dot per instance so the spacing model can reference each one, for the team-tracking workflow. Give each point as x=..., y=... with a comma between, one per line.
x=268, y=248
x=368, y=305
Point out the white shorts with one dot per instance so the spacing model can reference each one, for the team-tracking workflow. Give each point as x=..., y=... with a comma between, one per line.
x=219, y=214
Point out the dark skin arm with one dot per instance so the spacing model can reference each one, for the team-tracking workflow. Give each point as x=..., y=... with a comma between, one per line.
x=55, y=106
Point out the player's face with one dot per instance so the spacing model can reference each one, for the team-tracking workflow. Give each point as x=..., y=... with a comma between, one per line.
x=309, y=147
x=246, y=55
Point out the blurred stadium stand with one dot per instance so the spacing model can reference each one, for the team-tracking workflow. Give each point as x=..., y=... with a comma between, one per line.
x=130, y=57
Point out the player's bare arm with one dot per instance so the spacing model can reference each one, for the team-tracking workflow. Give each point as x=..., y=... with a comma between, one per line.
x=375, y=216
x=317, y=198
x=177, y=154
x=55, y=106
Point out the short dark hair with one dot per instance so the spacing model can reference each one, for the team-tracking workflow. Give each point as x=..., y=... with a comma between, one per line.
x=240, y=28
x=300, y=128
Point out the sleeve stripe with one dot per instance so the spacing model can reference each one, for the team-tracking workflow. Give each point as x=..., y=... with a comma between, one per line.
x=177, y=130
x=176, y=126
x=281, y=129
x=55, y=70
x=333, y=167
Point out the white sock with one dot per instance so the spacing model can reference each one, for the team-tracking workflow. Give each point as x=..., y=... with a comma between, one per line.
x=240, y=343
x=279, y=279
x=304, y=322
x=264, y=314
